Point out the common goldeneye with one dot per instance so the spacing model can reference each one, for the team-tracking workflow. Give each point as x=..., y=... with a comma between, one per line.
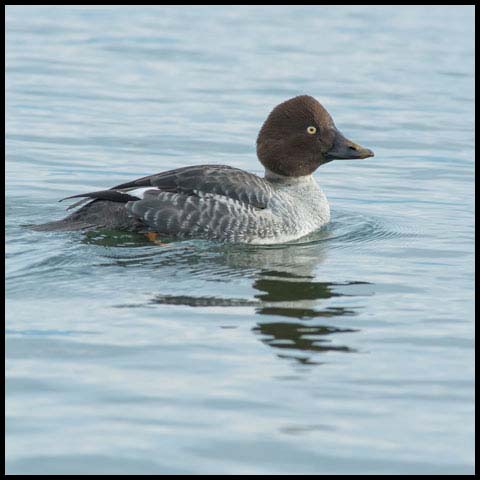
x=225, y=203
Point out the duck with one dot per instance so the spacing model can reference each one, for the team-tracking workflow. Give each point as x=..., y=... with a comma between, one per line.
x=225, y=203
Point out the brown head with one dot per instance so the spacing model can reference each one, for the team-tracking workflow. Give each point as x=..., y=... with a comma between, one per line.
x=299, y=135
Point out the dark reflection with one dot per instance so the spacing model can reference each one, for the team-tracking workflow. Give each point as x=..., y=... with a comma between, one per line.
x=114, y=238
x=280, y=290
x=299, y=336
x=297, y=316
x=294, y=299
x=304, y=313
x=201, y=301
x=288, y=296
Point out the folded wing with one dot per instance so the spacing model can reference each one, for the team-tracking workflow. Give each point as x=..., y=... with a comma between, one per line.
x=212, y=201
x=212, y=179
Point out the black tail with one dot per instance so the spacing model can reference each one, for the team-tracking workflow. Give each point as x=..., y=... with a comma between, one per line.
x=96, y=214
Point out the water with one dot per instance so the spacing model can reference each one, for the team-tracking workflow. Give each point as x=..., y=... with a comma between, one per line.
x=350, y=351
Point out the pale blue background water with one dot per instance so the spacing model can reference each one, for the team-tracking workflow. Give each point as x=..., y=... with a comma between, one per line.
x=349, y=352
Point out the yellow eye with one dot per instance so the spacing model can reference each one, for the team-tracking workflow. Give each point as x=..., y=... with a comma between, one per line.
x=311, y=130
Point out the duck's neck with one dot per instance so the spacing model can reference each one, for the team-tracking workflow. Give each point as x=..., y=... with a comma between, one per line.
x=286, y=180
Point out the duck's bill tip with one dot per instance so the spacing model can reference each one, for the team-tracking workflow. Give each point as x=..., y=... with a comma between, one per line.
x=366, y=153
x=344, y=149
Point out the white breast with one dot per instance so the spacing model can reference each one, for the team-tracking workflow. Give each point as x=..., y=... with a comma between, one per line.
x=302, y=207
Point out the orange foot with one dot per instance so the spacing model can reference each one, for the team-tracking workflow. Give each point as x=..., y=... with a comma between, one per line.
x=153, y=236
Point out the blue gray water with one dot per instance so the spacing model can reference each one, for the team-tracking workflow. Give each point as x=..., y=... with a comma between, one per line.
x=350, y=351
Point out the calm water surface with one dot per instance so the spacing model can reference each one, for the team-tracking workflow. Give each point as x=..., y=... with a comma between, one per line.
x=350, y=351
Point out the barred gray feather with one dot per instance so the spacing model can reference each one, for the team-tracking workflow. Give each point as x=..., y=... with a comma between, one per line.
x=212, y=202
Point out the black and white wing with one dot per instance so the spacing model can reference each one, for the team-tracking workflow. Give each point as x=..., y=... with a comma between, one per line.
x=214, y=202
x=208, y=179
x=211, y=201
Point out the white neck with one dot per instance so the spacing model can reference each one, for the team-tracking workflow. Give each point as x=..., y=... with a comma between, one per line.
x=286, y=180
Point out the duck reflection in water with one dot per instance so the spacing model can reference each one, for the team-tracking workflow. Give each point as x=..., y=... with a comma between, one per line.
x=289, y=299
x=285, y=297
